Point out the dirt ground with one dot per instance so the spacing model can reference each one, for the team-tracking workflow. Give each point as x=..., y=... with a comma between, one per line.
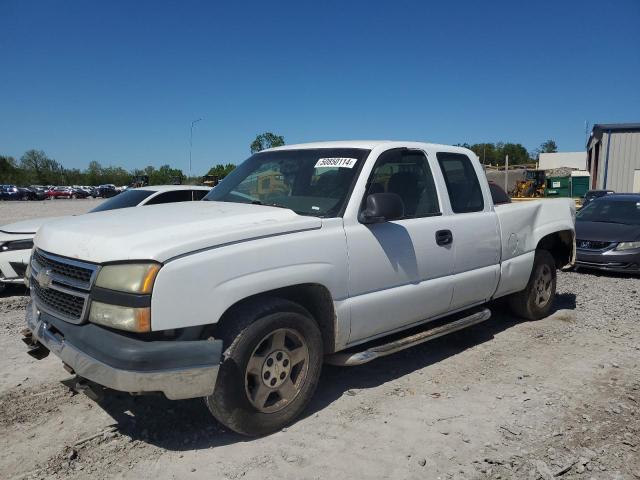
x=555, y=398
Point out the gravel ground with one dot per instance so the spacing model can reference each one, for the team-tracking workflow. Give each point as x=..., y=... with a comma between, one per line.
x=555, y=398
x=15, y=211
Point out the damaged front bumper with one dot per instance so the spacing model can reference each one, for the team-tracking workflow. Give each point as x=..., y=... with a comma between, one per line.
x=179, y=369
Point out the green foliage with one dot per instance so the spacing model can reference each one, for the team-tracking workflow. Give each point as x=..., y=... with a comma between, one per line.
x=39, y=169
x=266, y=140
x=9, y=171
x=36, y=168
x=221, y=171
x=163, y=175
x=548, y=147
x=495, y=153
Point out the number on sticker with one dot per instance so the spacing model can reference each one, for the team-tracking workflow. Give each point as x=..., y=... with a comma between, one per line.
x=336, y=162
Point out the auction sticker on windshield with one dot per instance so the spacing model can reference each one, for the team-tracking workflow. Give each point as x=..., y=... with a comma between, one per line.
x=336, y=162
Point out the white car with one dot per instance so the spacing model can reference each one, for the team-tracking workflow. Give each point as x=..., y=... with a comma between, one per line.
x=16, y=239
x=302, y=254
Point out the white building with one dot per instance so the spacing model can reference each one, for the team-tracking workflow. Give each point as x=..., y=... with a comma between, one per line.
x=550, y=161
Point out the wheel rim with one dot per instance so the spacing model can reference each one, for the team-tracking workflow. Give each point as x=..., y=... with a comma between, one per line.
x=277, y=370
x=542, y=286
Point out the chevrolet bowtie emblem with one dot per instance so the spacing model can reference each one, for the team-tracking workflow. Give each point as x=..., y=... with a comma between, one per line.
x=44, y=278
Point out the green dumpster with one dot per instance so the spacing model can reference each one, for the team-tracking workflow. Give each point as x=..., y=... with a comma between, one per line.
x=579, y=183
x=558, y=187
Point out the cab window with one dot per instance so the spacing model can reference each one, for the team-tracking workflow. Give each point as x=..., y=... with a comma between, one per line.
x=407, y=174
x=462, y=182
x=171, y=197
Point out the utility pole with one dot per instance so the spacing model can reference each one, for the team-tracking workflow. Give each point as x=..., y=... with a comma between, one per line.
x=191, y=142
x=506, y=172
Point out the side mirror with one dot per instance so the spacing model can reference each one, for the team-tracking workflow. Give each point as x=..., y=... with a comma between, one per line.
x=382, y=207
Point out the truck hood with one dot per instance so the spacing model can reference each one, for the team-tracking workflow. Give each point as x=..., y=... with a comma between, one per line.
x=607, y=232
x=161, y=232
x=26, y=226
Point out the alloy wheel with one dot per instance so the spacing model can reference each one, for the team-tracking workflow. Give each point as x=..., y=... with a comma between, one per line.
x=277, y=370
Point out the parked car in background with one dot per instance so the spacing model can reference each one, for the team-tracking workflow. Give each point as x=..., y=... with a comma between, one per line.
x=106, y=191
x=39, y=192
x=591, y=195
x=79, y=192
x=302, y=254
x=59, y=192
x=16, y=239
x=9, y=192
x=608, y=234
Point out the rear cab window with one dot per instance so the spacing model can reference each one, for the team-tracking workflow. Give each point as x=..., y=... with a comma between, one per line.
x=463, y=186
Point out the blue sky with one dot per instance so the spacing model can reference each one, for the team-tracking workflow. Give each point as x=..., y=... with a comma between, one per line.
x=119, y=81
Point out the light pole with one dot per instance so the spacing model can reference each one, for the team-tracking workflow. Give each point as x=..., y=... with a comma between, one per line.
x=191, y=142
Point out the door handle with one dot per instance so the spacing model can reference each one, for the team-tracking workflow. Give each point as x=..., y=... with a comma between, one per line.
x=444, y=237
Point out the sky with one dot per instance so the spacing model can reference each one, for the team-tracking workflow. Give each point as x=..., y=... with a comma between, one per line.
x=120, y=82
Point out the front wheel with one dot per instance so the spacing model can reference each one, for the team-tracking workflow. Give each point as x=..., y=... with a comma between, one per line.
x=535, y=301
x=270, y=370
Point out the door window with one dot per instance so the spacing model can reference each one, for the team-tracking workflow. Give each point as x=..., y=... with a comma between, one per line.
x=407, y=174
x=199, y=194
x=462, y=182
x=171, y=197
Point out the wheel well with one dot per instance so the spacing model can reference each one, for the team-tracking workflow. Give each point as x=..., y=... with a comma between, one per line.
x=560, y=245
x=316, y=299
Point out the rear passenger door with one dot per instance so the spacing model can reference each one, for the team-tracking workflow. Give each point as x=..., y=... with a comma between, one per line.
x=475, y=229
x=398, y=273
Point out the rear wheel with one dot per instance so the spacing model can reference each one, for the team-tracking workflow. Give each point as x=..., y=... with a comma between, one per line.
x=270, y=370
x=535, y=301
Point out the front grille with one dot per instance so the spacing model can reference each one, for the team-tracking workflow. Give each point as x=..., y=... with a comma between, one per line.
x=61, y=286
x=592, y=245
x=64, y=269
x=70, y=306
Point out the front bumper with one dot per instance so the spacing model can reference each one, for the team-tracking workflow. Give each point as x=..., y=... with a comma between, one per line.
x=609, y=260
x=179, y=369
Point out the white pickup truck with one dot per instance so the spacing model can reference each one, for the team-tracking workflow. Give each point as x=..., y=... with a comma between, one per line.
x=339, y=251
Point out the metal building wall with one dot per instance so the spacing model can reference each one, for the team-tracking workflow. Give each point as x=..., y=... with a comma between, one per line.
x=624, y=158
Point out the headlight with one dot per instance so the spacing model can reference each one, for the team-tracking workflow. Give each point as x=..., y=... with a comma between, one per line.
x=17, y=245
x=128, y=277
x=627, y=246
x=123, y=318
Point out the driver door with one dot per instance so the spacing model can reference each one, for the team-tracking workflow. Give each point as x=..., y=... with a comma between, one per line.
x=398, y=273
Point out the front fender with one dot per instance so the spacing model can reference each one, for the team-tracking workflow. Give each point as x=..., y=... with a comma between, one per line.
x=197, y=289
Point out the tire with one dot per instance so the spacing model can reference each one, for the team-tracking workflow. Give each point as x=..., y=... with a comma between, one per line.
x=252, y=396
x=74, y=196
x=536, y=300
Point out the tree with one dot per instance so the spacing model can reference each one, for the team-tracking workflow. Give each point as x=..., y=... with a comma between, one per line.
x=548, y=147
x=9, y=171
x=221, y=171
x=93, y=174
x=266, y=140
x=163, y=175
x=494, y=154
x=41, y=169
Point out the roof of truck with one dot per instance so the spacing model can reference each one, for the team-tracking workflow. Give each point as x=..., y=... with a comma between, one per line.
x=167, y=188
x=366, y=144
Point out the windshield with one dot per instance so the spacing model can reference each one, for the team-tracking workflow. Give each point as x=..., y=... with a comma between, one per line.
x=611, y=211
x=128, y=198
x=308, y=181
